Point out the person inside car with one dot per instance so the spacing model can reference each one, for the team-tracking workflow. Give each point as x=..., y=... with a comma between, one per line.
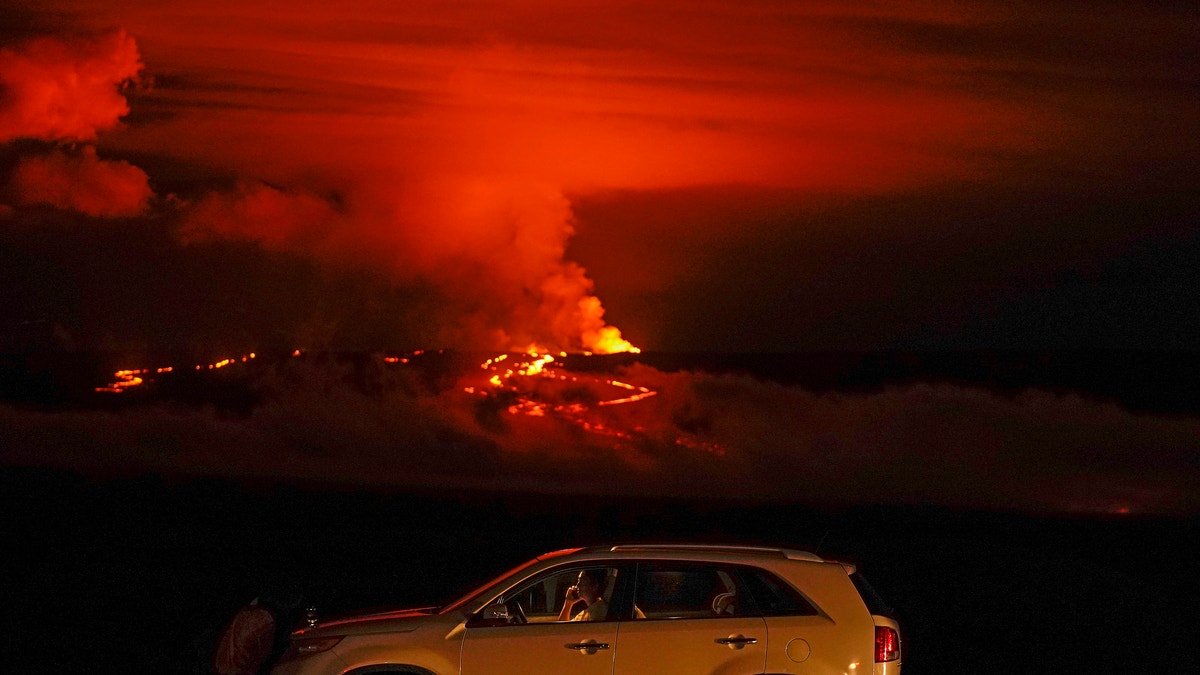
x=589, y=588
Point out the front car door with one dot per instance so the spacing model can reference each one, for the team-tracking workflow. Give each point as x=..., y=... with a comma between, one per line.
x=690, y=618
x=521, y=632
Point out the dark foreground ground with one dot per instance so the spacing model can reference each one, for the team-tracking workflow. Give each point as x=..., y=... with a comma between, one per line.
x=137, y=576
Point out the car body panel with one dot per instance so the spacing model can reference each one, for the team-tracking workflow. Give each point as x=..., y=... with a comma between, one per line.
x=815, y=645
x=840, y=638
x=520, y=650
x=649, y=647
x=415, y=638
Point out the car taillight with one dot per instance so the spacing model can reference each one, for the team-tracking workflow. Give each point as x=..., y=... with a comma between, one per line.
x=887, y=644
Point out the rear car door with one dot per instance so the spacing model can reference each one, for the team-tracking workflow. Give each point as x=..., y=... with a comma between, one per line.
x=820, y=626
x=690, y=617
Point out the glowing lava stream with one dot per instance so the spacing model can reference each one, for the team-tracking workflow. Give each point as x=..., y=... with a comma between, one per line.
x=127, y=379
x=518, y=377
x=514, y=379
x=545, y=366
x=130, y=378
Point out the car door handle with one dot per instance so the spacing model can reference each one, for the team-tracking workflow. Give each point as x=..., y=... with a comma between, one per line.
x=737, y=641
x=590, y=647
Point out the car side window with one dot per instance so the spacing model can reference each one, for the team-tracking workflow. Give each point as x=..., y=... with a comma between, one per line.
x=541, y=599
x=686, y=591
x=773, y=596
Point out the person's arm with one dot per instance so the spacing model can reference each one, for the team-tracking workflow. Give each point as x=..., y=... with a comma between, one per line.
x=569, y=603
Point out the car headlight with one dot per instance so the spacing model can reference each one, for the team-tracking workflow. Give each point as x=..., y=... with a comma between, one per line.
x=304, y=647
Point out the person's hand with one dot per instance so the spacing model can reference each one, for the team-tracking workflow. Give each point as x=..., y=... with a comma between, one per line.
x=573, y=594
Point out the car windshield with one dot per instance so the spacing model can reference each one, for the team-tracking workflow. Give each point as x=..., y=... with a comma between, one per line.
x=482, y=589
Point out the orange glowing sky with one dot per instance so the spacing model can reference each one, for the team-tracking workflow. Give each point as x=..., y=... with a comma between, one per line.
x=257, y=176
x=579, y=96
x=822, y=173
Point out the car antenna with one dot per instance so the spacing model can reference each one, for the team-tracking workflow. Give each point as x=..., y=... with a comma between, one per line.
x=817, y=550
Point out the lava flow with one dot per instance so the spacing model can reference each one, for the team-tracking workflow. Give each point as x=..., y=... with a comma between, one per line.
x=531, y=384
x=125, y=380
x=512, y=378
x=538, y=385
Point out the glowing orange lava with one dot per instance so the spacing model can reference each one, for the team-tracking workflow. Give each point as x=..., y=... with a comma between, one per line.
x=127, y=379
x=519, y=378
x=608, y=340
x=533, y=384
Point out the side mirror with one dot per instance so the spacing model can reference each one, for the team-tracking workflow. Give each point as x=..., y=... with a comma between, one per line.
x=495, y=614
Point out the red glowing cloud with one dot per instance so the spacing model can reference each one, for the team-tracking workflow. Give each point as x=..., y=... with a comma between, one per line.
x=449, y=143
x=261, y=213
x=54, y=89
x=494, y=255
x=81, y=182
x=455, y=151
x=799, y=95
x=456, y=146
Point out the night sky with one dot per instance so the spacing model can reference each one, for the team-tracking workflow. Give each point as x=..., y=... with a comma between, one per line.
x=216, y=178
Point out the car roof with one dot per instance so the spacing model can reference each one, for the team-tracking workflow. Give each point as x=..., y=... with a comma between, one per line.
x=692, y=548
x=726, y=553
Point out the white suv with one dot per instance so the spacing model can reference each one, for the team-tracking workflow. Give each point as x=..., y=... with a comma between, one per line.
x=649, y=609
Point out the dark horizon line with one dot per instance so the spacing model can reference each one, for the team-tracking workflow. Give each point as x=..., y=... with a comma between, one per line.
x=116, y=489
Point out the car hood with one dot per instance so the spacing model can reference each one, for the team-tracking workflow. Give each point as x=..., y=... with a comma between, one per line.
x=394, y=620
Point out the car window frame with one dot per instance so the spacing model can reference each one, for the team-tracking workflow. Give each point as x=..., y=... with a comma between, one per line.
x=749, y=608
x=745, y=568
x=620, y=589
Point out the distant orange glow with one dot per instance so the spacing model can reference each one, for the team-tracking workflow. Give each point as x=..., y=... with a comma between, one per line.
x=406, y=358
x=547, y=181
x=521, y=381
x=127, y=379
x=643, y=392
x=453, y=157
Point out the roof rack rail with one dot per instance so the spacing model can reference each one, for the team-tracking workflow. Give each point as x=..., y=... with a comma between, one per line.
x=788, y=553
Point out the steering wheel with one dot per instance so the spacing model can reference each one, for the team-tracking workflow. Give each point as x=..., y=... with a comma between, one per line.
x=518, y=613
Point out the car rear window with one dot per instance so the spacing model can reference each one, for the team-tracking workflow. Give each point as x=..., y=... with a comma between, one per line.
x=873, y=600
x=773, y=596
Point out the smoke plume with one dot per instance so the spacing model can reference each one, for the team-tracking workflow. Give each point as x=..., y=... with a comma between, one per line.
x=81, y=181
x=60, y=90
